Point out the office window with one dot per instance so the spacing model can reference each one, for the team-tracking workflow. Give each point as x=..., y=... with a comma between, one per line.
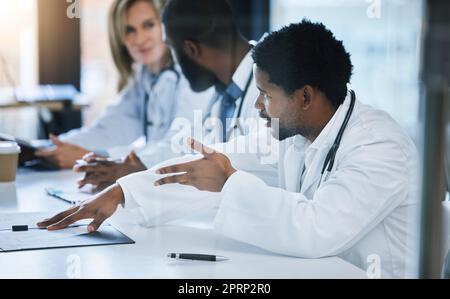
x=383, y=38
x=18, y=52
x=98, y=73
x=18, y=62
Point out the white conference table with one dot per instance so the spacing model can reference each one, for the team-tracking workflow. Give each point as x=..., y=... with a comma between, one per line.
x=147, y=257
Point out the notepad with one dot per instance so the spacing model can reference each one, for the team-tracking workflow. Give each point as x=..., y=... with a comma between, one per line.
x=38, y=239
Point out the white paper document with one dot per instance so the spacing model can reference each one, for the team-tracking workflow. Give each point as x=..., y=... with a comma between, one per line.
x=75, y=235
x=41, y=237
x=30, y=219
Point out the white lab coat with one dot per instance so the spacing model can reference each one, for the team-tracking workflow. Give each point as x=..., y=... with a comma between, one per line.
x=363, y=211
x=122, y=124
x=202, y=122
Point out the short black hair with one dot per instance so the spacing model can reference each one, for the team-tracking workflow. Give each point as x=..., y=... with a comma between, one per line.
x=306, y=53
x=208, y=21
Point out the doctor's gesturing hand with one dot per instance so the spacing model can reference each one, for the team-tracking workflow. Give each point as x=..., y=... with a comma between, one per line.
x=99, y=208
x=101, y=172
x=207, y=174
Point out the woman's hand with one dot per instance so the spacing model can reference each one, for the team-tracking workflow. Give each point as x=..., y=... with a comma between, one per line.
x=64, y=155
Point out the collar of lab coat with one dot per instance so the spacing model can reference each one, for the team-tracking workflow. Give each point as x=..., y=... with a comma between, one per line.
x=143, y=74
x=245, y=68
x=242, y=73
x=329, y=132
x=314, y=153
x=240, y=78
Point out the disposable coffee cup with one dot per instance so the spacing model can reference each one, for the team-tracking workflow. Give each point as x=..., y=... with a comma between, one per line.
x=9, y=159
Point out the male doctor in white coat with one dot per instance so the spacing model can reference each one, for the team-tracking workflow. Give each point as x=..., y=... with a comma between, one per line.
x=205, y=41
x=347, y=177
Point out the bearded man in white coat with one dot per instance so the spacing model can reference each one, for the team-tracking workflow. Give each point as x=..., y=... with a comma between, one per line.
x=347, y=173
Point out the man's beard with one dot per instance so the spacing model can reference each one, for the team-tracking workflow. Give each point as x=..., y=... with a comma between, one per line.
x=198, y=76
x=283, y=131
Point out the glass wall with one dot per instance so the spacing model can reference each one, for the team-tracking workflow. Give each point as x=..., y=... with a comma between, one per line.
x=98, y=74
x=383, y=38
x=18, y=63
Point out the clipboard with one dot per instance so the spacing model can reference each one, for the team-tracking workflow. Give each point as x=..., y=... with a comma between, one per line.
x=40, y=239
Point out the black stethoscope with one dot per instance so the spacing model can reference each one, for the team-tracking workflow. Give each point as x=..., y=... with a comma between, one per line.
x=146, y=122
x=329, y=160
x=331, y=155
x=237, y=124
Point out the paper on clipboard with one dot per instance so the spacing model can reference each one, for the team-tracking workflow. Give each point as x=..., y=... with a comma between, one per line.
x=34, y=239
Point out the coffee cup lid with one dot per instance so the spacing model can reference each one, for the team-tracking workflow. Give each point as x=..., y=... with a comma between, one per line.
x=8, y=147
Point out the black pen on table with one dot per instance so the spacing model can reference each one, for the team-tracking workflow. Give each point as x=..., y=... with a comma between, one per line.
x=25, y=228
x=197, y=257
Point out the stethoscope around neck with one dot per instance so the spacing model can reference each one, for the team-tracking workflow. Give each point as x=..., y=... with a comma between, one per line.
x=331, y=155
x=236, y=120
x=329, y=160
x=146, y=121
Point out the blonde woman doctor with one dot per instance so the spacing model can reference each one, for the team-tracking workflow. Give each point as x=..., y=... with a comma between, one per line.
x=153, y=90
